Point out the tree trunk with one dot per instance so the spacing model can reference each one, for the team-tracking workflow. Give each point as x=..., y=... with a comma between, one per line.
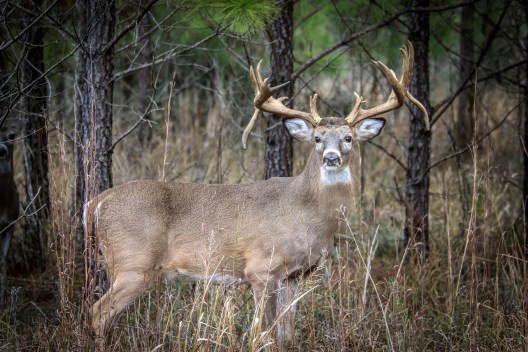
x=279, y=149
x=94, y=115
x=35, y=146
x=419, y=148
x=94, y=101
x=146, y=90
x=525, y=190
x=524, y=146
x=465, y=123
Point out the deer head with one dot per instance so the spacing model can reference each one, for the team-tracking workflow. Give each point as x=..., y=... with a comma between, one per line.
x=7, y=138
x=333, y=136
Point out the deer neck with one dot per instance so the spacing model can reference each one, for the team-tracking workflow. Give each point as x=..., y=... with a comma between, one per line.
x=6, y=170
x=330, y=189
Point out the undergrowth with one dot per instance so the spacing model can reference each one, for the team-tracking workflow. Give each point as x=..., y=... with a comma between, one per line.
x=471, y=293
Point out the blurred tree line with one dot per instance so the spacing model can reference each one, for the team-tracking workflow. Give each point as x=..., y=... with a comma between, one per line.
x=79, y=68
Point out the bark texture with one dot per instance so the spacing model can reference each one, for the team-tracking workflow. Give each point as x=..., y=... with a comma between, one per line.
x=35, y=146
x=146, y=89
x=94, y=121
x=94, y=98
x=465, y=121
x=524, y=146
x=416, y=231
x=279, y=149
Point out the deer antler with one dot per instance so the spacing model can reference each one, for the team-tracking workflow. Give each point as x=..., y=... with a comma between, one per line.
x=264, y=101
x=398, y=94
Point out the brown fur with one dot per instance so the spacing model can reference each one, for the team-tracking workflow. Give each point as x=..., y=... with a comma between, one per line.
x=258, y=233
x=9, y=203
x=9, y=199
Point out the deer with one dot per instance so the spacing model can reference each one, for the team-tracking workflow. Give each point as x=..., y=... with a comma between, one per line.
x=263, y=233
x=9, y=202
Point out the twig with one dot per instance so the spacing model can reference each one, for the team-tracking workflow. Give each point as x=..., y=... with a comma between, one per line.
x=436, y=163
x=24, y=213
x=23, y=32
x=342, y=43
x=394, y=157
x=440, y=111
x=164, y=58
x=129, y=27
x=30, y=86
x=131, y=129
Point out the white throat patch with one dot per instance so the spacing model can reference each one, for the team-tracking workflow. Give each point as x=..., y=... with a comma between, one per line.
x=335, y=176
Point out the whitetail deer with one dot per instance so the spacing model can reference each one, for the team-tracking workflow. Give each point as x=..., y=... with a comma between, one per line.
x=9, y=202
x=260, y=233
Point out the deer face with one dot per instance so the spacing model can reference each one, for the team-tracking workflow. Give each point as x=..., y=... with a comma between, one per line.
x=333, y=138
x=6, y=150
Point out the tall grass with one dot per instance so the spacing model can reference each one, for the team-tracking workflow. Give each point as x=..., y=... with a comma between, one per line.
x=470, y=295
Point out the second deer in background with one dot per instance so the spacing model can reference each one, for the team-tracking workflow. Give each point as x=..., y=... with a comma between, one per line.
x=9, y=203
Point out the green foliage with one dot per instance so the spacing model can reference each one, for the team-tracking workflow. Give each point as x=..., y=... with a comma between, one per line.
x=241, y=17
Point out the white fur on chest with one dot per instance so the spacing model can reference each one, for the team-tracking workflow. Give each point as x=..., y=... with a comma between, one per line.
x=335, y=176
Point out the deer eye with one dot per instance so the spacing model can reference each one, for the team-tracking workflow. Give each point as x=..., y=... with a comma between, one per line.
x=348, y=139
x=317, y=139
x=11, y=136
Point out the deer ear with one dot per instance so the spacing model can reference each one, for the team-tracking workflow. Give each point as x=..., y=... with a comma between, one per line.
x=368, y=129
x=299, y=129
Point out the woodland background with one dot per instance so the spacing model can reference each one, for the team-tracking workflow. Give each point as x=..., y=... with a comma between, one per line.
x=434, y=253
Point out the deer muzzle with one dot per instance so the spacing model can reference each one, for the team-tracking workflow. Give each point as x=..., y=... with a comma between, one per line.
x=332, y=159
x=4, y=152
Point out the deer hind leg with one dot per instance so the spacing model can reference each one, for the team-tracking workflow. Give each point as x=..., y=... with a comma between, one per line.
x=126, y=287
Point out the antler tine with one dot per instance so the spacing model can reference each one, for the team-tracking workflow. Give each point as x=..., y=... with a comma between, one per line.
x=313, y=110
x=399, y=90
x=355, y=109
x=407, y=63
x=249, y=127
x=258, y=71
x=264, y=101
x=254, y=79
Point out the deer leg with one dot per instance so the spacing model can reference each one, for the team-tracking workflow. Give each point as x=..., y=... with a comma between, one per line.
x=3, y=276
x=5, y=241
x=265, y=295
x=124, y=290
x=286, y=325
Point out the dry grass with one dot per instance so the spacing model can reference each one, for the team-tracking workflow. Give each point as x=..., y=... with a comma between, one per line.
x=470, y=295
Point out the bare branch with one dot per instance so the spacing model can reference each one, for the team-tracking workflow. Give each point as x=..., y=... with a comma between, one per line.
x=354, y=36
x=462, y=151
x=392, y=156
x=147, y=33
x=35, y=21
x=130, y=26
x=439, y=112
x=342, y=43
x=25, y=89
x=164, y=58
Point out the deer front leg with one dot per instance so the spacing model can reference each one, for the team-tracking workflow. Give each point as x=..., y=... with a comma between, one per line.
x=287, y=291
x=5, y=238
x=265, y=295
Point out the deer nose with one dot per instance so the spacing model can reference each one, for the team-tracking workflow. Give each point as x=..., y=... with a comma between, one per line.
x=332, y=159
x=3, y=151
